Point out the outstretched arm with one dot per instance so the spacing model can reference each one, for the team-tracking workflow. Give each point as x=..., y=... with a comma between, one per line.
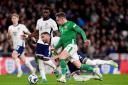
x=82, y=33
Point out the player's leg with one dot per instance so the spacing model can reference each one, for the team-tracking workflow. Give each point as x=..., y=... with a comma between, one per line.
x=82, y=77
x=88, y=68
x=75, y=73
x=78, y=64
x=15, y=54
x=63, y=55
x=52, y=64
x=101, y=62
x=17, y=61
x=75, y=60
x=69, y=50
x=42, y=70
x=41, y=51
x=28, y=64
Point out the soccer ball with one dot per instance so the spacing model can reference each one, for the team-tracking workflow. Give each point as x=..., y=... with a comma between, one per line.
x=32, y=79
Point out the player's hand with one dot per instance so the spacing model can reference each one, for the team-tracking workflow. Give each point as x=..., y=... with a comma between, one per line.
x=23, y=37
x=33, y=35
x=87, y=43
x=52, y=48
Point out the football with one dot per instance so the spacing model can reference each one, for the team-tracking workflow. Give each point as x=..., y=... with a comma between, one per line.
x=32, y=79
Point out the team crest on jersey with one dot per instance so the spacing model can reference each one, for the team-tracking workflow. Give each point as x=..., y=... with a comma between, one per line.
x=14, y=33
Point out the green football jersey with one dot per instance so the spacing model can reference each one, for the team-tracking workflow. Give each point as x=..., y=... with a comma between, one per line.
x=68, y=32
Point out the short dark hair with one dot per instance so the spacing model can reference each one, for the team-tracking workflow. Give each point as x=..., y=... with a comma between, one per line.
x=45, y=33
x=60, y=14
x=46, y=8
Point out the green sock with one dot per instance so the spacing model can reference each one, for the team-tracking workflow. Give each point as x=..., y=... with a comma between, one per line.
x=63, y=66
x=36, y=59
x=56, y=73
x=86, y=67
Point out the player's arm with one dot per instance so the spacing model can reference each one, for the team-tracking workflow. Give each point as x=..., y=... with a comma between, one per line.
x=36, y=31
x=82, y=33
x=28, y=34
x=56, y=33
x=34, y=34
x=55, y=29
x=9, y=34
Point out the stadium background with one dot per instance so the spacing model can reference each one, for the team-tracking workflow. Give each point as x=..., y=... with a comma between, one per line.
x=105, y=23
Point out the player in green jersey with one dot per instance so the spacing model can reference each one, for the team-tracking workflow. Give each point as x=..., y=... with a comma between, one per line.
x=68, y=31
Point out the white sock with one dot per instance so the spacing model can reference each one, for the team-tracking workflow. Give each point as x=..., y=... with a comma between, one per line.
x=17, y=61
x=91, y=62
x=50, y=63
x=101, y=62
x=28, y=64
x=42, y=69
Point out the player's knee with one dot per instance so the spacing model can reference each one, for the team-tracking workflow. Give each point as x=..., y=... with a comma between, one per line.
x=27, y=62
x=78, y=66
x=63, y=55
x=54, y=66
x=50, y=63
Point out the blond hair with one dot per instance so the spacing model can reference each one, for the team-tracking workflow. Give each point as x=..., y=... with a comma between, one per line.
x=15, y=14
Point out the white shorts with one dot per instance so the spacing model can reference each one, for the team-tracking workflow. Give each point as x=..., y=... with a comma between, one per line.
x=72, y=50
x=74, y=57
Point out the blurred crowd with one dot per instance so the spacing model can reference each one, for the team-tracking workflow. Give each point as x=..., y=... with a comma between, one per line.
x=105, y=22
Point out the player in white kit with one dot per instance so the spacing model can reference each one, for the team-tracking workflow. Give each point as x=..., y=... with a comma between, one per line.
x=45, y=24
x=16, y=34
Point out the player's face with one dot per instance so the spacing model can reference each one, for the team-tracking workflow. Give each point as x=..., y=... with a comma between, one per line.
x=14, y=19
x=46, y=13
x=45, y=38
x=59, y=20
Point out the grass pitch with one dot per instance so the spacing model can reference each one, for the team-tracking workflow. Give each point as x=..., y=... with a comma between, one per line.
x=107, y=80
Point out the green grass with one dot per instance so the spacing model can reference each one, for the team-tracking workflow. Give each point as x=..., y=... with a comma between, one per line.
x=108, y=80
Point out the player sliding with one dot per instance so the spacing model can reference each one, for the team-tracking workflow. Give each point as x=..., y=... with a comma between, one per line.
x=16, y=33
x=84, y=59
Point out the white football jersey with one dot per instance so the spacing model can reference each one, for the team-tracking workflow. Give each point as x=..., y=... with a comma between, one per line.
x=16, y=33
x=46, y=26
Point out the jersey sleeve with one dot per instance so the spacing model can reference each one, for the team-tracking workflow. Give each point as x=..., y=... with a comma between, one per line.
x=79, y=30
x=54, y=26
x=9, y=28
x=25, y=29
x=37, y=25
